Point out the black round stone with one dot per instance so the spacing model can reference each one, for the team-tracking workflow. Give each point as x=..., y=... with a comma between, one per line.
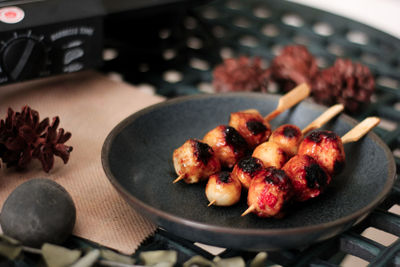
x=38, y=211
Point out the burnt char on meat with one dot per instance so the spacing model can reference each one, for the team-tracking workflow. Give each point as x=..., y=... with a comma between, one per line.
x=308, y=178
x=195, y=160
x=269, y=192
x=271, y=154
x=326, y=148
x=228, y=145
x=251, y=125
x=288, y=137
x=246, y=169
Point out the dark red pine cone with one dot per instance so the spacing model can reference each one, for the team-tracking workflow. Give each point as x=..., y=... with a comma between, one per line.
x=240, y=74
x=23, y=137
x=294, y=65
x=346, y=82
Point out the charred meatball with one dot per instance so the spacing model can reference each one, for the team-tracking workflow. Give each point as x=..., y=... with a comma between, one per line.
x=228, y=145
x=195, y=161
x=308, y=178
x=251, y=125
x=246, y=169
x=288, y=137
x=271, y=154
x=326, y=148
x=269, y=193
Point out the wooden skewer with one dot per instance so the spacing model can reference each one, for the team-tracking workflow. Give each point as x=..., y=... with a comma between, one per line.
x=180, y=177
x=323, y=118
x=290, y=99
x=360, y=130
x=250, y=209
x=211, y=203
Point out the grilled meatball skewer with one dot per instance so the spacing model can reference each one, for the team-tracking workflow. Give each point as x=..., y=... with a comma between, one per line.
x=307, y=177
x=195, y=161
x=285, y=140
x=310, y=173
x=254, y=128
x=326, y=147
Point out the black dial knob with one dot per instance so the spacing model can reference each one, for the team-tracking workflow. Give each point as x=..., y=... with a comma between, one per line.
x=23, y=58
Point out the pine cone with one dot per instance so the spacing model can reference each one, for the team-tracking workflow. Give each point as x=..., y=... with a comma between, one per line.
x=351, y=84
x=23, y=137
x=294, y=65
x=240, y=74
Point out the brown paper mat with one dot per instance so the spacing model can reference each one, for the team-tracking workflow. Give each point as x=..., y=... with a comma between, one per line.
x=89, y=106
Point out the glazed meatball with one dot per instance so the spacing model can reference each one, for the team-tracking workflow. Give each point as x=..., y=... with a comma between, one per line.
x=246, y=169
x=195, y=161
x=308, y=178
x=271, y=154
x=269, y=193
x=288, y=137
x=251, y=125
x=223, y=189
x=326, y=148
x=228, y=145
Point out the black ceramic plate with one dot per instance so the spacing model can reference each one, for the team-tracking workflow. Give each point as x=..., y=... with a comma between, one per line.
x=137, y=158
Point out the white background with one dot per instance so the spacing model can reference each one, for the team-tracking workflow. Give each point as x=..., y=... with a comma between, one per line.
x=383, y=15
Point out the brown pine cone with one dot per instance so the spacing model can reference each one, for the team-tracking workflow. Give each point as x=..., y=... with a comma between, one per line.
x=346, y=82
x=240, y=74
x=23, y=137
x=52, y=145
x=293, y=66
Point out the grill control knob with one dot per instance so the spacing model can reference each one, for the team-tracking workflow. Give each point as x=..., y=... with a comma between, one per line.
x=23, y=58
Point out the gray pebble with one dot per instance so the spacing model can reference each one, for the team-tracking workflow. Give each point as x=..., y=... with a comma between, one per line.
x=38, y=211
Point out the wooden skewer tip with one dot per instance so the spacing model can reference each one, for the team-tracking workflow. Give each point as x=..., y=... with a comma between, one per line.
x=375, y=120
x=360, y=130
x=300, y=92
x=290, y=99
x=250, y=209
x=180, y=177
x=329, y=114
x=211, y=203
x=339, y=106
